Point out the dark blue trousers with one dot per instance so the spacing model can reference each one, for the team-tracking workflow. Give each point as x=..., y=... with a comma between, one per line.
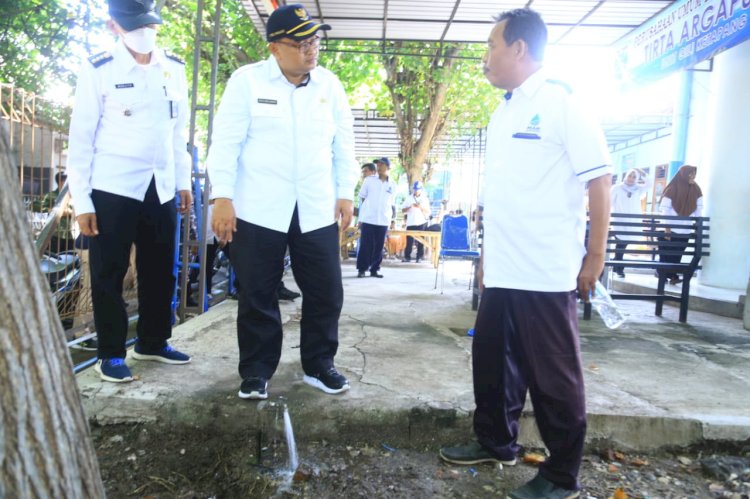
x=410, y=241
x=371, y=242
x=151, y=226
x=528, y=341
x=257, y=255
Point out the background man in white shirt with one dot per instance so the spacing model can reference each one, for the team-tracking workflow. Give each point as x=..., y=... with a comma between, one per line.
x=375, y=213
x=417, y=210
x=126, y=159
x=283, y=172
x=542, y=150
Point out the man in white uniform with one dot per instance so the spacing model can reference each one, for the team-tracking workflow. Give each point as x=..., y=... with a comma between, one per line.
x=542, y=151
x=283, y=172
x=417, y=210
x=127, y=158
x=375, y=213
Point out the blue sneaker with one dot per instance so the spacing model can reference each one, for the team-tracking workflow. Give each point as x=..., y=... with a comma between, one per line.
x=114, y=370
x=167, y=355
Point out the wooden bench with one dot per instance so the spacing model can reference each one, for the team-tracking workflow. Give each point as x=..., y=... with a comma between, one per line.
x=431, y=240
x=645, y=250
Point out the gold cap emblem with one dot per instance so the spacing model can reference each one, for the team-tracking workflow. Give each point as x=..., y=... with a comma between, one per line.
x=301, y=13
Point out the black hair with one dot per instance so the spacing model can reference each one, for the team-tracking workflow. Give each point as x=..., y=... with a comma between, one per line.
x=527, y=25
x=370, y=167
x=60, y=178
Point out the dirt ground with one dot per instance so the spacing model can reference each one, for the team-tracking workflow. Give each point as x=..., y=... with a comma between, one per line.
x=149, y=461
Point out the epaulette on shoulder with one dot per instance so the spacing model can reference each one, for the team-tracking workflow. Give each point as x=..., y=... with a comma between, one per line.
x=100, y=58
x=170, y=55
x=561, y=83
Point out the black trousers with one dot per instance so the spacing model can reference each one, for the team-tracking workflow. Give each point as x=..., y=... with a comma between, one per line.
x=675, y=250
x=151, y=226
x=371, y=243
x=527, y=340
x=619, y=252
x=410, y=242
x=258, y=258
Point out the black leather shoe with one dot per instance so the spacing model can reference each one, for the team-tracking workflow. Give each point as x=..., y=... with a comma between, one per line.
x=418, y=260
x=374, y=273
x=287, y=294
x=361, y=273
x=406, y=260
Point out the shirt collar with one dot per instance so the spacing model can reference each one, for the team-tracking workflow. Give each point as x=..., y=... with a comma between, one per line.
x=532, y=84
x=274, y=72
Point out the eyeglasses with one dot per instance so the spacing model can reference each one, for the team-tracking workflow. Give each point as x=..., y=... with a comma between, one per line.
x=310, y=45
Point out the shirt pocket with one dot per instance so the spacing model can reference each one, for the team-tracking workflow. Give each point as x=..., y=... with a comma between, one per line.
x=173, y=104
x=267, y=121
x=322, y=122
x=123, y=105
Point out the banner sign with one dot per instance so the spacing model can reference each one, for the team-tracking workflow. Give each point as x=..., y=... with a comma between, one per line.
x=687, y=32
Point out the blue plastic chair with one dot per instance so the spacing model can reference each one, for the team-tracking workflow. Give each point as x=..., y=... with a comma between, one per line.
x=454, y=244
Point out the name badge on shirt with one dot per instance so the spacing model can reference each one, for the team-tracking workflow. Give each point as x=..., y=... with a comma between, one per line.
x=172, y=109
x=124, y=85
x=528, y=136
x=267, y=101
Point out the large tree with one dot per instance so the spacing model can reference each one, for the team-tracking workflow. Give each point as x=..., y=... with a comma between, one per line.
x=431, y=91
x=39, y=39
x=45, y=445
x=434, y=92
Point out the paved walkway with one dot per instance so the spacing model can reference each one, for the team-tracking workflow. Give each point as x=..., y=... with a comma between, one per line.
x=403, y=345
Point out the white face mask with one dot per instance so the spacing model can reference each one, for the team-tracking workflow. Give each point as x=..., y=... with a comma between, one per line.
x=141, y=40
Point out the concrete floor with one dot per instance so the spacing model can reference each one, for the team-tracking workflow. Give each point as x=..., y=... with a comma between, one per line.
x=654, y=382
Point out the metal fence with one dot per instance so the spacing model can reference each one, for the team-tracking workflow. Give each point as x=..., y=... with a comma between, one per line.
x=37, y=131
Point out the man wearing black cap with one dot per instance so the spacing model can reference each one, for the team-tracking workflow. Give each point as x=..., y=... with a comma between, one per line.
x=375, y=214
x=126, y=161
x=283, y=172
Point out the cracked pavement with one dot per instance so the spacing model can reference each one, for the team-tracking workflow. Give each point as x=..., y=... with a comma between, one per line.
x=404, y=348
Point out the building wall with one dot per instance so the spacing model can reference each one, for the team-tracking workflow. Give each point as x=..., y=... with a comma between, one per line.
x=720, y=147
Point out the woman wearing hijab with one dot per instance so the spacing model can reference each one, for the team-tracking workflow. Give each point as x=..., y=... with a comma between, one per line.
x=682, y=197
x=626, y=198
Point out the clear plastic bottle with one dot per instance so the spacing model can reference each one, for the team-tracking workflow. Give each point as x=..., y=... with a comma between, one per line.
x=605, y=306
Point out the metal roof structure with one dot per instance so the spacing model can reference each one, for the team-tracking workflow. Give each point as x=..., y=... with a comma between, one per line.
x=377, y=136
x=569, y=22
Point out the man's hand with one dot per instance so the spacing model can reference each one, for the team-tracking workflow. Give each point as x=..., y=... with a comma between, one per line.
x=593, y=262
x=592, y=267
x=344, y=211
x=186, y=201
x=223, y=220
x=87, y=224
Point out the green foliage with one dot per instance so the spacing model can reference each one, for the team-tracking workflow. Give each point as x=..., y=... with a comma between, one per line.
x=431, y=91
x=239, y=44
x=43, y=42
x=37, y=39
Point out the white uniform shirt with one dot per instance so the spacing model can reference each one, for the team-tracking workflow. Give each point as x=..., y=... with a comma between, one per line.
x=127, y=127
x=377, y=201
x=625, y=199
x=666, y=208
x=276, y=145
x=541, y=150
x=415, y=215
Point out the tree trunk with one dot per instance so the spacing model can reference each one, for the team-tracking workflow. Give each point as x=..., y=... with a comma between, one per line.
x=429, y=122
x=45, y=445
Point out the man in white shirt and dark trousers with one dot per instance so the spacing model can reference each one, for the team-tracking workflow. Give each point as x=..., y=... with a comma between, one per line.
x=542, y=151
x=417, y=210
x=283, y=172
x=375, y=213
x=127, y=158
